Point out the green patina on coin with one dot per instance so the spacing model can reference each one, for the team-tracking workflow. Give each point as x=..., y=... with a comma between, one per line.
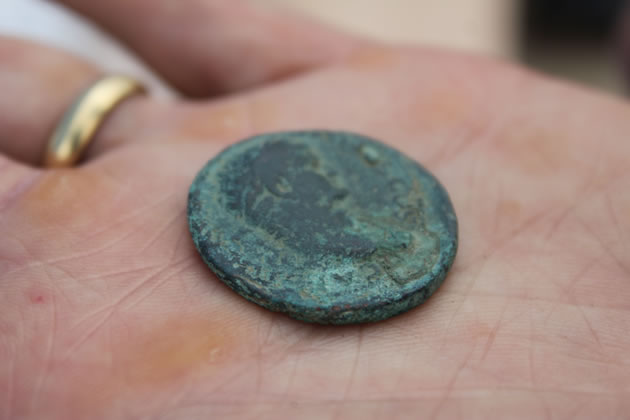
x=328, y=227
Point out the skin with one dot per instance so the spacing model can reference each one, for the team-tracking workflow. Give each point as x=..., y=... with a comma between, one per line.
x=109, y=313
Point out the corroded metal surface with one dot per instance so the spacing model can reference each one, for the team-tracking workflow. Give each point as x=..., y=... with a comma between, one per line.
x=327, y=227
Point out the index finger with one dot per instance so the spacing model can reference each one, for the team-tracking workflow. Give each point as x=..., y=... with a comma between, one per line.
x=209, y=47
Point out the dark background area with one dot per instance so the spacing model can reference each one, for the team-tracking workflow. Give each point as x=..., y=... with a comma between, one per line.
x=577, y=39
x=572, y=19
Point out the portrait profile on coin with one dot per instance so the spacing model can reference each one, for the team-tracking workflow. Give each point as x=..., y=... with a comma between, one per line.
x=327, y=227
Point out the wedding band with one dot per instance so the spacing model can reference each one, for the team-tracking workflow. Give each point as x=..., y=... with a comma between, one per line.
x=81, y=122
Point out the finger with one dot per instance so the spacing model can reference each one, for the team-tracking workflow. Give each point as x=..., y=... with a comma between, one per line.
x=14, y=179
x=207, y=47
x=38, y=85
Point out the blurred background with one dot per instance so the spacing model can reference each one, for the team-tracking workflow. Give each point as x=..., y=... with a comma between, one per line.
x=580, y=40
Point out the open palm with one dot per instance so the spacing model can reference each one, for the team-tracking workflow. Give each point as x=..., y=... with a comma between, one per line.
x=108, y=312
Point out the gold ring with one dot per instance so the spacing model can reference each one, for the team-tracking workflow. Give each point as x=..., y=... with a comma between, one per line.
x=81, y=122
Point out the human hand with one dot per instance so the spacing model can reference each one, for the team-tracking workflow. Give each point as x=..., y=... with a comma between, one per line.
x=109, y=312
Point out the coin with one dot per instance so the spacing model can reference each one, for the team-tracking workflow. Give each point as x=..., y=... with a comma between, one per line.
x=327, y=227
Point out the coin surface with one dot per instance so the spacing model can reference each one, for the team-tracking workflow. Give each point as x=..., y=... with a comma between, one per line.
x=327, y=227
